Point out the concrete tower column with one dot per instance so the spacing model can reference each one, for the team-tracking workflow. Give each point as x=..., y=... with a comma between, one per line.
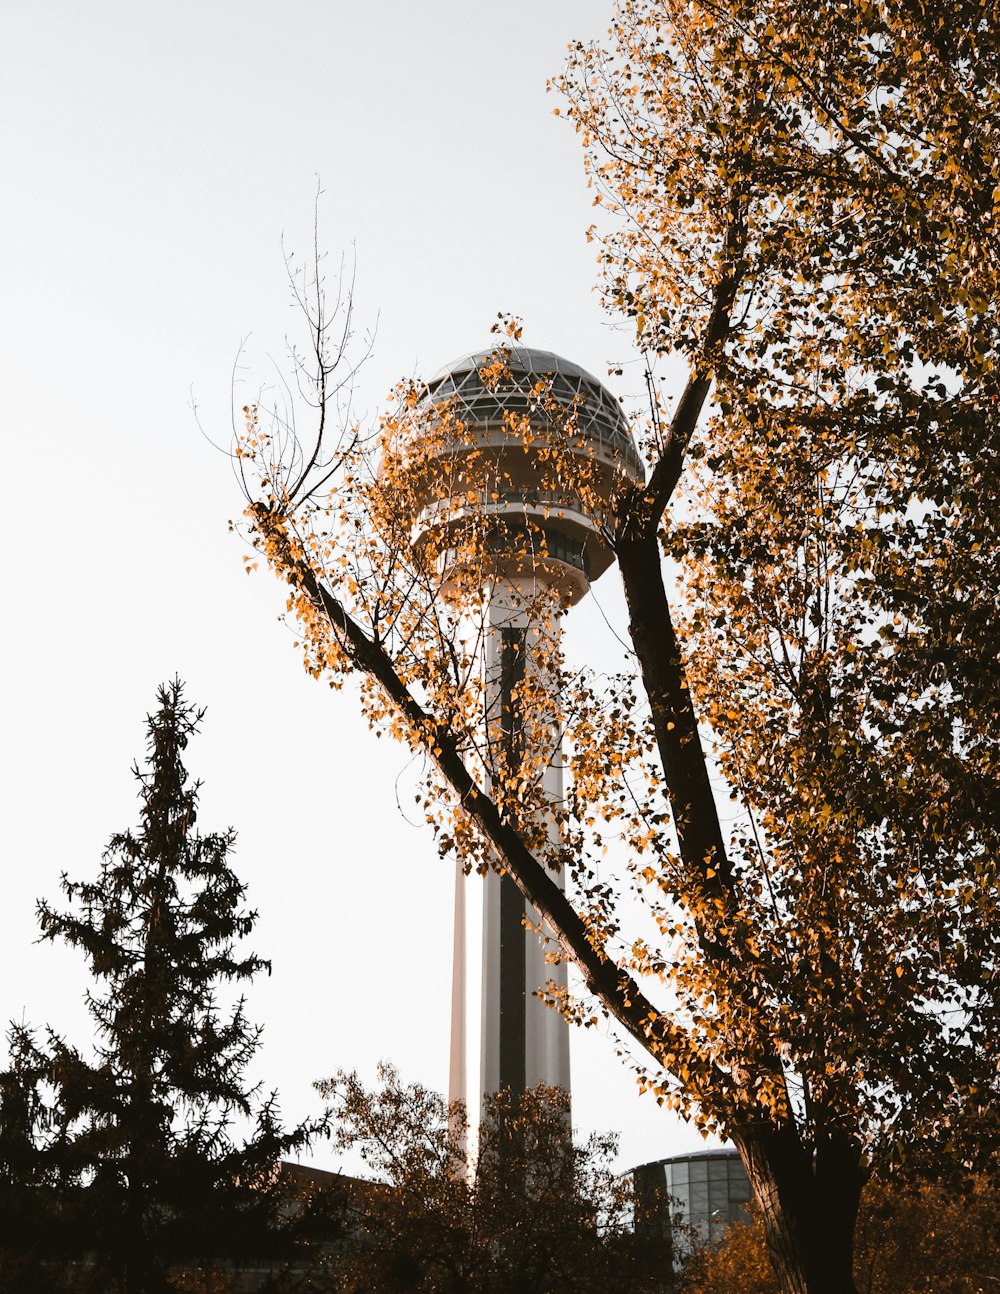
x=522, y=1041
x=502, y=1035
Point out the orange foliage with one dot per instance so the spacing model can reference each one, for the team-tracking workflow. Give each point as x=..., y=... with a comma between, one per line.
x=793, y=203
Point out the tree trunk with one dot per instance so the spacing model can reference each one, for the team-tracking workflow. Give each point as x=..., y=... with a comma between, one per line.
x=809, y=1206
x=809, y=1201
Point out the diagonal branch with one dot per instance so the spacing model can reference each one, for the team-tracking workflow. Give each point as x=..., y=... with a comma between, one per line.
x=715, y=911
x=616, y=991
x=675, y=724
x=639, y=509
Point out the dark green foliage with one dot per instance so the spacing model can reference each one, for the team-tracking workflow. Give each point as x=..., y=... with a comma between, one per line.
x=131, y=1151
x=34, y=1230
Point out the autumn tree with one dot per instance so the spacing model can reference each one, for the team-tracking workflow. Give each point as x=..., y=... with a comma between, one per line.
x=799, y=205
x=940, y=1237
x=131, y=1152
x=426, y=1223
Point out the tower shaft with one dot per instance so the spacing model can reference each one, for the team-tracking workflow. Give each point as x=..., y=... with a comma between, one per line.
x=503, y=1036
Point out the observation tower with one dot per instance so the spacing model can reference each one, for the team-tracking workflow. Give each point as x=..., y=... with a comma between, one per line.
x=521, y=453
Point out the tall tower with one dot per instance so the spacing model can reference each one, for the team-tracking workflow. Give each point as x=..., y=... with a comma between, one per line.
x=529, y=451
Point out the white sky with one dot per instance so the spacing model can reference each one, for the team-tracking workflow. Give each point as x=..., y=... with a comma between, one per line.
x=152, y=157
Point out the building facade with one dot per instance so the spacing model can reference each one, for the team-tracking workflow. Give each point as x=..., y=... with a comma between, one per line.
x=691, y=1198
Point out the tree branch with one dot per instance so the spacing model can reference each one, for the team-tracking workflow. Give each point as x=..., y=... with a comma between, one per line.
x=612, y=986
x=639, y=510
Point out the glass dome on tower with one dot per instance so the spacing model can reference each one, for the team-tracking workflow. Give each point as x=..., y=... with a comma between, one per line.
x=599, y=417
x=532, y=449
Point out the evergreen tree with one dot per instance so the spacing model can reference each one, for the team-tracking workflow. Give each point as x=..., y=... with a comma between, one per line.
x=140, y=1142
x=33, y=1228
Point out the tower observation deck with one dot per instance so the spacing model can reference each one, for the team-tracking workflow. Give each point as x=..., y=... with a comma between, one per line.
x=524, y=450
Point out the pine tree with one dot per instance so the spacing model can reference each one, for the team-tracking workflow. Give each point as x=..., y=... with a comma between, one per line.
x=33, y=1230
x=141, y=1140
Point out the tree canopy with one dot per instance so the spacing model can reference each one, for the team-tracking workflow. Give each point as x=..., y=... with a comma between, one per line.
x=432, y=1223
x=808, y=210
x=798, y=202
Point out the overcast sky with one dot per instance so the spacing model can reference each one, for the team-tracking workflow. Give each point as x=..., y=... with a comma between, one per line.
x=152, y=159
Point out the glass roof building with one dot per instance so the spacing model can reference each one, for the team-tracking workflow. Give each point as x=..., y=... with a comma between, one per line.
x=691, y=1197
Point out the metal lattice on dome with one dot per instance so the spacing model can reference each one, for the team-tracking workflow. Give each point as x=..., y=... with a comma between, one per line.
x=599, y=416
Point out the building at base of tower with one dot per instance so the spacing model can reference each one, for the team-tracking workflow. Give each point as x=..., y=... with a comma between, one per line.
x=690, y=1200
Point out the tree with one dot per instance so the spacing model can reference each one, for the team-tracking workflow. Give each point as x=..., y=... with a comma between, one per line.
x=912, y=1236
x=135, y=1146
x=736, y=1264
x=799, y=213
x=428, y=1225
x=35, y=1239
